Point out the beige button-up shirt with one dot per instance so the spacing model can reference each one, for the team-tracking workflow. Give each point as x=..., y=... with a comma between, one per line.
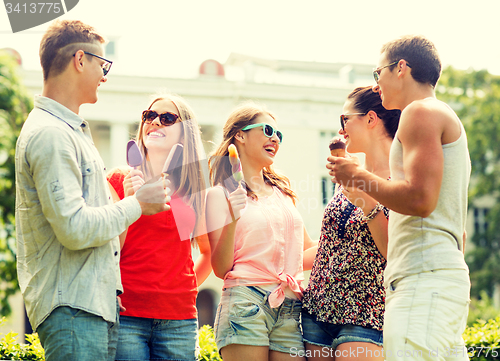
x=66, y=223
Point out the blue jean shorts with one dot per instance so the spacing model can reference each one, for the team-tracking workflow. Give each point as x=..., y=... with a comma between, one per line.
x=245, y=317
x=154, y=339
x=327, y=334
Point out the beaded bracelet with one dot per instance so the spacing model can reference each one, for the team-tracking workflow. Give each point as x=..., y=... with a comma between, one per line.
x=373, y=213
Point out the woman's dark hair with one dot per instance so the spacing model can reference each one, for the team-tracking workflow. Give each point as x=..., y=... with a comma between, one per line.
x=365, y=99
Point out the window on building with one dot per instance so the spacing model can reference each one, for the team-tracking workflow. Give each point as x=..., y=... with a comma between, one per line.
x=327, y=189
x=110, y=48
x=206, y=304
x=480, y=220
x=207, y=137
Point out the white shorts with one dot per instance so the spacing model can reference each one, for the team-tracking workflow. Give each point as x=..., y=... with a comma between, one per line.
x=425, y=316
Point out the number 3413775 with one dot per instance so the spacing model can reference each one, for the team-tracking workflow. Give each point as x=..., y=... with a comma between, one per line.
x=33, y=8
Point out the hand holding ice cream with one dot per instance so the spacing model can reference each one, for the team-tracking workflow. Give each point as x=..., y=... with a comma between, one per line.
x=235, y=163
x=237, y=199
x=337, y=147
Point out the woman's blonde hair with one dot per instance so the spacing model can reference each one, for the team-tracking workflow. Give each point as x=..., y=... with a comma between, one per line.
x=221, y=169
x=189, y=180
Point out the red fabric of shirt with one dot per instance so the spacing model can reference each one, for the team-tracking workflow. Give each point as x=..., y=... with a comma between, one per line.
x=156, y=265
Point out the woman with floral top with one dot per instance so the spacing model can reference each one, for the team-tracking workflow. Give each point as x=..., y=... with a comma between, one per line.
x=343, y=305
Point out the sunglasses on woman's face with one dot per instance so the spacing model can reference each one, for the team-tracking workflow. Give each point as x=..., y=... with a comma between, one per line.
x=166, y=118
x=268, y=130
x=345, y=117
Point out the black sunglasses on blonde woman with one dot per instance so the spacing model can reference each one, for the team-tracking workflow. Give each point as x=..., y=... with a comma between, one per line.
x=166, y=119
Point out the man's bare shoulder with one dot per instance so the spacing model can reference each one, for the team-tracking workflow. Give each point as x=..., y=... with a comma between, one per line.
x=420, y=115
x=428, y=107
x=432, y=116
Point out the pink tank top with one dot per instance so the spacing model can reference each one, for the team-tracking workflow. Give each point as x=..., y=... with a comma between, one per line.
x=268, y=249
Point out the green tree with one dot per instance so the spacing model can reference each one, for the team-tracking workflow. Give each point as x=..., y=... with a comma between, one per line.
x=475, y=96
x=15, y=104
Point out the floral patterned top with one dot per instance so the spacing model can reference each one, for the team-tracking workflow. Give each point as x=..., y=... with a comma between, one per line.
x=346, y=282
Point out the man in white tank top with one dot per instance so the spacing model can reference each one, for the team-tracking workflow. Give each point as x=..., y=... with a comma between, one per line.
x=426, y=279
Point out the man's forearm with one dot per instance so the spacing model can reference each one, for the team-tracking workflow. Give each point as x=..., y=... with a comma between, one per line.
x=398, y=196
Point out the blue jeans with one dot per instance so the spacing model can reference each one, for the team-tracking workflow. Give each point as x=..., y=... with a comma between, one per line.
x=152, y=339
x=327, y=334
x=71, y=334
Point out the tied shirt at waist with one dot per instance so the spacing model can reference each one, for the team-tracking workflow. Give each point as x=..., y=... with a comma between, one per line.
x=268, y=247
x=277, y=296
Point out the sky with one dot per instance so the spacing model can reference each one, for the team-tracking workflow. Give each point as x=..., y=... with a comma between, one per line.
x=172, y=38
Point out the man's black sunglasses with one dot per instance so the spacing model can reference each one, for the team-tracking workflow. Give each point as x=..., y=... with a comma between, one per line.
x=105, y=67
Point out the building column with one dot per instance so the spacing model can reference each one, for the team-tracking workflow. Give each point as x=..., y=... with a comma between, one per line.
x=119, y=136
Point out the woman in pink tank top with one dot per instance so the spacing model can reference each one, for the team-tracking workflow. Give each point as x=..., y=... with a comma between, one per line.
x=257, y=238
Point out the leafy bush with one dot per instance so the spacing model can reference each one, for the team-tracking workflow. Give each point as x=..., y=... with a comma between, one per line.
x=208, y=349
x=11, y=349
x=482, y=309
x=483, y=340
x=15, y=104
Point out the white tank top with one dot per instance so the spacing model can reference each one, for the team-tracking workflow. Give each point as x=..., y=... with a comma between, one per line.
x=419, y=244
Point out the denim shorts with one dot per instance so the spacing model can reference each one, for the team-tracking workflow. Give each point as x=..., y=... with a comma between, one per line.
x=245, y=317
x=327, y=334
x=152, y=339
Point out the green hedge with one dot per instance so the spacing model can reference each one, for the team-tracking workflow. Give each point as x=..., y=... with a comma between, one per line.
x=482, y=341
x=482, y=308
x=208, y=348
x=11, y=349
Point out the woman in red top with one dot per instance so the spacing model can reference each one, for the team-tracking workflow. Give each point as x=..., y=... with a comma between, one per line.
x=159, y=319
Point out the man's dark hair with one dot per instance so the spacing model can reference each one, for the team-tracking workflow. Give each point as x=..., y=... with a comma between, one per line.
x=60, y=42
x=420, y=53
